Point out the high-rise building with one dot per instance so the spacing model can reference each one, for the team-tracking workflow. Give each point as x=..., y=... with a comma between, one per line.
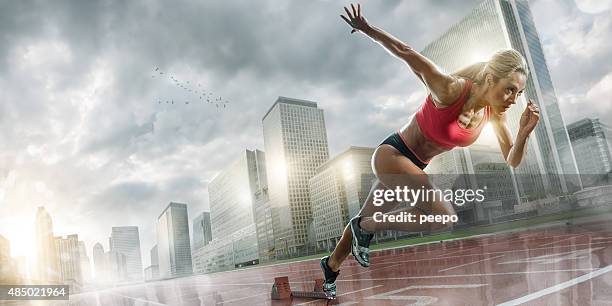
x=173, y=245
x=338, y=190
x=262, y=212
x=592, y=144
x=295, y=142
x=492, y=175
x=20, y=267
x=475, y=168
x=47, y=268
x=202, y=233
x=231, y=198
x=498, y=24
x=214, y=257
x=152, y=271
x=126, y=240
x=118, y=266
x=100, y=263
x=69, y=259
x=154, y=256
x=85, y=264
x=6, y=271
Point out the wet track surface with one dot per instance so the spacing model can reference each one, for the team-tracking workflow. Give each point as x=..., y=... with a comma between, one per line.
x=559, y=265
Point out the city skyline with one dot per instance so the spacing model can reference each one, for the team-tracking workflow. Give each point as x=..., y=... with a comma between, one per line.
x=88, y=158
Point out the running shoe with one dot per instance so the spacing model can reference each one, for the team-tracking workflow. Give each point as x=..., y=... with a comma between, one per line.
x=329, y=285
x=360, y=242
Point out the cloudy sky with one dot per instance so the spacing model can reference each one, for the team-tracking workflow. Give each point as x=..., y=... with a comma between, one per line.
x=83, y=132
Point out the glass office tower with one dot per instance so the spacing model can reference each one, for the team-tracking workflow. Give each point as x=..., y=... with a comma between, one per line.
x=549, y=167
x=295, y=142
x=126, y=240
x=173, y=245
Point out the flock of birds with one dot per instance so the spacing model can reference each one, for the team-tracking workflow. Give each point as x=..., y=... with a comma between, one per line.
x=205, y=97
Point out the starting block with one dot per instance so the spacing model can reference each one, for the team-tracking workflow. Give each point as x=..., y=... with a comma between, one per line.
x=281, y=290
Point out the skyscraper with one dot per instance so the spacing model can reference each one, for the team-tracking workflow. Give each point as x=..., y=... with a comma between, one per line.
x=497, y=24
x=262, y=212
x=154, y=256
x=231, y=197
x=100, y=263
x=202, y=233
x=295, y=142
x=5, y=260
x=592, y=144
x=173, y=245
x=20, y=267
x=126, y=240
x=493, y=176
x=117, y=266
x=338, y=191
x=152, y=271
x=69, y=259
x=85, y=264
x=47, y=262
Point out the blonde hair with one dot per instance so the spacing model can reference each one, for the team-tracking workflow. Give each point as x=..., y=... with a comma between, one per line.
x=501, y=65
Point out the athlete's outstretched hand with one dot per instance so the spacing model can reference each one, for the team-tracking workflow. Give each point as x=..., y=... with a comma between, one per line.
x=529, y=118
x=355, y=19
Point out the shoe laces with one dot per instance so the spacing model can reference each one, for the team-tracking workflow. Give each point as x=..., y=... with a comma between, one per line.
x=329, y=286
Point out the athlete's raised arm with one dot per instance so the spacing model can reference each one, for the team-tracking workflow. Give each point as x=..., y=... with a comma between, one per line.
x=444, y=88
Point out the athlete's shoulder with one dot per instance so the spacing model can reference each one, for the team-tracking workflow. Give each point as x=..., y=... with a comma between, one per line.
x=454, y=90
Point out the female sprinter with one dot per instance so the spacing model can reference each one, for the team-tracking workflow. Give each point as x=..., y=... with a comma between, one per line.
x=457, y=107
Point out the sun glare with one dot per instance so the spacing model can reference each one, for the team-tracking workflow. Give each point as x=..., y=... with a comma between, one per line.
x=487, y=137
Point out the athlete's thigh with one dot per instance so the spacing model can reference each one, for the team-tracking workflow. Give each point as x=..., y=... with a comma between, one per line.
x=368, y=209
x=395, y=170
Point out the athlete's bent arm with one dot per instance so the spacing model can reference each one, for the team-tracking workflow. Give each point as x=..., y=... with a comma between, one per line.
x=514, y=152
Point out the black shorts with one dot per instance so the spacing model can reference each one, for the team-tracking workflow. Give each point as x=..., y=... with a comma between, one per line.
x=395, y=140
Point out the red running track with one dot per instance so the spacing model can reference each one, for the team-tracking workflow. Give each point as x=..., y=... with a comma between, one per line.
x=558, y=265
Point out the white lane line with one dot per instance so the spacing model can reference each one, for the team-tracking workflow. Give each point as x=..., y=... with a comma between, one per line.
x=393, y=258
x=554, y=242
x=504, y=252
x=471, y=263
x=385, y=260
x=364, y=289
x=459, y=275
x=419, y=299
x=554, y=258
x=459, y=251
x=137, y=299
x=241, y=284
x=346, y=293
x=377, y=270
x=243, y=298
x=558, y=287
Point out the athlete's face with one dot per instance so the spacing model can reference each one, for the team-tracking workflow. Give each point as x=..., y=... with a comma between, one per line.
x=505, y=92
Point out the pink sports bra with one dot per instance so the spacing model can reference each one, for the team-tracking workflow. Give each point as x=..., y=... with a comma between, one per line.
x=440, y=125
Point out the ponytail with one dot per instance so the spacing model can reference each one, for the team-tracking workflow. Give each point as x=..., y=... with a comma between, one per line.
x=474, y=72
x=501, y=65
